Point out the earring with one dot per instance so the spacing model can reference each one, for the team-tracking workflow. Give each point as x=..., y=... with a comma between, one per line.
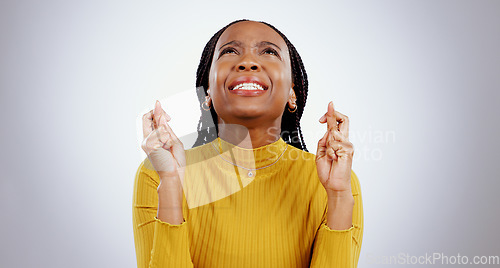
x=294, y=108
x=205, y=103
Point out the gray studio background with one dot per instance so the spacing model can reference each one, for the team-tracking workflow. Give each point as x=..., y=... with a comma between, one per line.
x=419, y=80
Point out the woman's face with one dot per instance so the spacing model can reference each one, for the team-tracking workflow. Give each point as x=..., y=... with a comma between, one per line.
x=250, y=76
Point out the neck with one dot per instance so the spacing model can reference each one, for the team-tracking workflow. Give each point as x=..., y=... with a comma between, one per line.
x=250, y=137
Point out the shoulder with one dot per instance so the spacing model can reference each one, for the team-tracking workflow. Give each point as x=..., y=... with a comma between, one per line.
x=146, y=173
x=301, y=168
x=299, y=156
x=145, y=167
x=199, y=153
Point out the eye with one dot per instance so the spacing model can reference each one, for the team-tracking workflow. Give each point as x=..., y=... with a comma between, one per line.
x=228, y=50
x=271, y=51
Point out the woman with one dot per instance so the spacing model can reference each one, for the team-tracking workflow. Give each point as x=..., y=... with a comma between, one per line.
x=248, y=194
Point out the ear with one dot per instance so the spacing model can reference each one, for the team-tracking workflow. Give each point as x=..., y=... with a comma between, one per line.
x=293, y=97
x=208, y=99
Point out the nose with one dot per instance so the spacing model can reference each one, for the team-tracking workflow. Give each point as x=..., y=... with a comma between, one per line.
x=248, y=64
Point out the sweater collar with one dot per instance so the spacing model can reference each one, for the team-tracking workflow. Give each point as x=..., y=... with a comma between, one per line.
x=250, y=158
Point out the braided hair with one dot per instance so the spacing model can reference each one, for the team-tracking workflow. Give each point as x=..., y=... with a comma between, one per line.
x=290, y=122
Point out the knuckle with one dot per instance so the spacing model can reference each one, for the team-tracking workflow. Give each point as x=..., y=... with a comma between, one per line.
x=147, y=115
x=162, y=129
x=144, y=145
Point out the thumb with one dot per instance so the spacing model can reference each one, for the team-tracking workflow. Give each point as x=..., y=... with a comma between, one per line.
x=322, y=145
x=157, y=113
x=161, y=116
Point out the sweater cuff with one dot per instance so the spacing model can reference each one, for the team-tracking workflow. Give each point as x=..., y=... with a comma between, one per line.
x=169, y=224
x=333, y=248
x=325, y=226
x=170, y=245
x=337, y=240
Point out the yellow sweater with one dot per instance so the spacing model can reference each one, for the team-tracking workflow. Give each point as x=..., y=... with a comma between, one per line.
x=274, y=218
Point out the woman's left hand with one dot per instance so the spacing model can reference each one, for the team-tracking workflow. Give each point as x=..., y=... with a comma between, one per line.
x=334, y=155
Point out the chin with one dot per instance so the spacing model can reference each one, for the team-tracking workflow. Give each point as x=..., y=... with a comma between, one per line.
x=248, y=113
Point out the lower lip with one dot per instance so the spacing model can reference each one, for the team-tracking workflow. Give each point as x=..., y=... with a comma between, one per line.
x=248, y=93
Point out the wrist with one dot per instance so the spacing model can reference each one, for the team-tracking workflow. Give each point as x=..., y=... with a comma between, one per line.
x=341, y=202
x=344, y=194
x=168, y=174
x=169, y=185
x=345, y=200
x=169, y=195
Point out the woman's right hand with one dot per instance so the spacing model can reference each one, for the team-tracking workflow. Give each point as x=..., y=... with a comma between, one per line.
x=165, y=151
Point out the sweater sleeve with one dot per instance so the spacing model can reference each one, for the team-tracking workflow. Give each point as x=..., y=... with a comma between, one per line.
x=157, y=243
x=340, y=248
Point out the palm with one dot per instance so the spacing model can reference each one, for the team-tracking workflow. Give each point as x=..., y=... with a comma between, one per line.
x=175, y=157
x=332, y=174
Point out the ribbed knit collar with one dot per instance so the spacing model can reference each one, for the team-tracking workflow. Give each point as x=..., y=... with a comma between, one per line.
x=250, y=158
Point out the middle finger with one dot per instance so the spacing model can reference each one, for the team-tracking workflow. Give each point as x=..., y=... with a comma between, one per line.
x=147, y=123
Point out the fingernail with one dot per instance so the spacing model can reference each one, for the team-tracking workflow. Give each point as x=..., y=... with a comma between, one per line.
x=154, y=108
x=168, y=117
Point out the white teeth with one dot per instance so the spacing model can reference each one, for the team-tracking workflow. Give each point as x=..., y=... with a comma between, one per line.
x=248, y=86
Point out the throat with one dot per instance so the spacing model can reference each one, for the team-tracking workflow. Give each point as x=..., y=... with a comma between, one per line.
x=249, y=138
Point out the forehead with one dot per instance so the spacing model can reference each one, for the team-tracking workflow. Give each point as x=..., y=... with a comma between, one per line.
x=249, y=32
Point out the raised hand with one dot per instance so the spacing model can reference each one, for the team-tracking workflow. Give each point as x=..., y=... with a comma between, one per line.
x=335, y=153
x=165, y=151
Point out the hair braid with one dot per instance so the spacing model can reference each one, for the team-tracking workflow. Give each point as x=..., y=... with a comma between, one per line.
x=290, y=122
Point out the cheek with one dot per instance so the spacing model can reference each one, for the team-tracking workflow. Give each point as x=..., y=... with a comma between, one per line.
x=281, y=77
x=218, y=75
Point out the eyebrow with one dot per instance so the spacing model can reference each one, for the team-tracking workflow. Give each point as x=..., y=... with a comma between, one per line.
x=238, y=43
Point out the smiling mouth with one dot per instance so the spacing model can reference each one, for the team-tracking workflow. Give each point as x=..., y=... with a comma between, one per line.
x=248, y=86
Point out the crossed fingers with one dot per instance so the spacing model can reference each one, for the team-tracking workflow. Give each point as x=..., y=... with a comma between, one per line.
x=337, y=124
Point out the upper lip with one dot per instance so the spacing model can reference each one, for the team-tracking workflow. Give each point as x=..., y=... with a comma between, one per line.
x=247, y=79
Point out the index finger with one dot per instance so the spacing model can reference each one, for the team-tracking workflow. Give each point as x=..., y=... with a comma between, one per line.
x=147, y=123
x=170, y=131
x=338, y=121
x=331, y=120
x=161, y=118
x=343, y=124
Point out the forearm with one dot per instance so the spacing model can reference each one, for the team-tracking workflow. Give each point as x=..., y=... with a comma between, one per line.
x=340, y=210
x=170, y=201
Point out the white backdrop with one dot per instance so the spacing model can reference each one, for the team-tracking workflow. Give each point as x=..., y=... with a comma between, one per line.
x=419, y=80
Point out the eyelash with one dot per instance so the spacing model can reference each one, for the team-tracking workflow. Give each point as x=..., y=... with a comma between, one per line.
x=271, y=50
x=226, y=50
x=265, y=50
